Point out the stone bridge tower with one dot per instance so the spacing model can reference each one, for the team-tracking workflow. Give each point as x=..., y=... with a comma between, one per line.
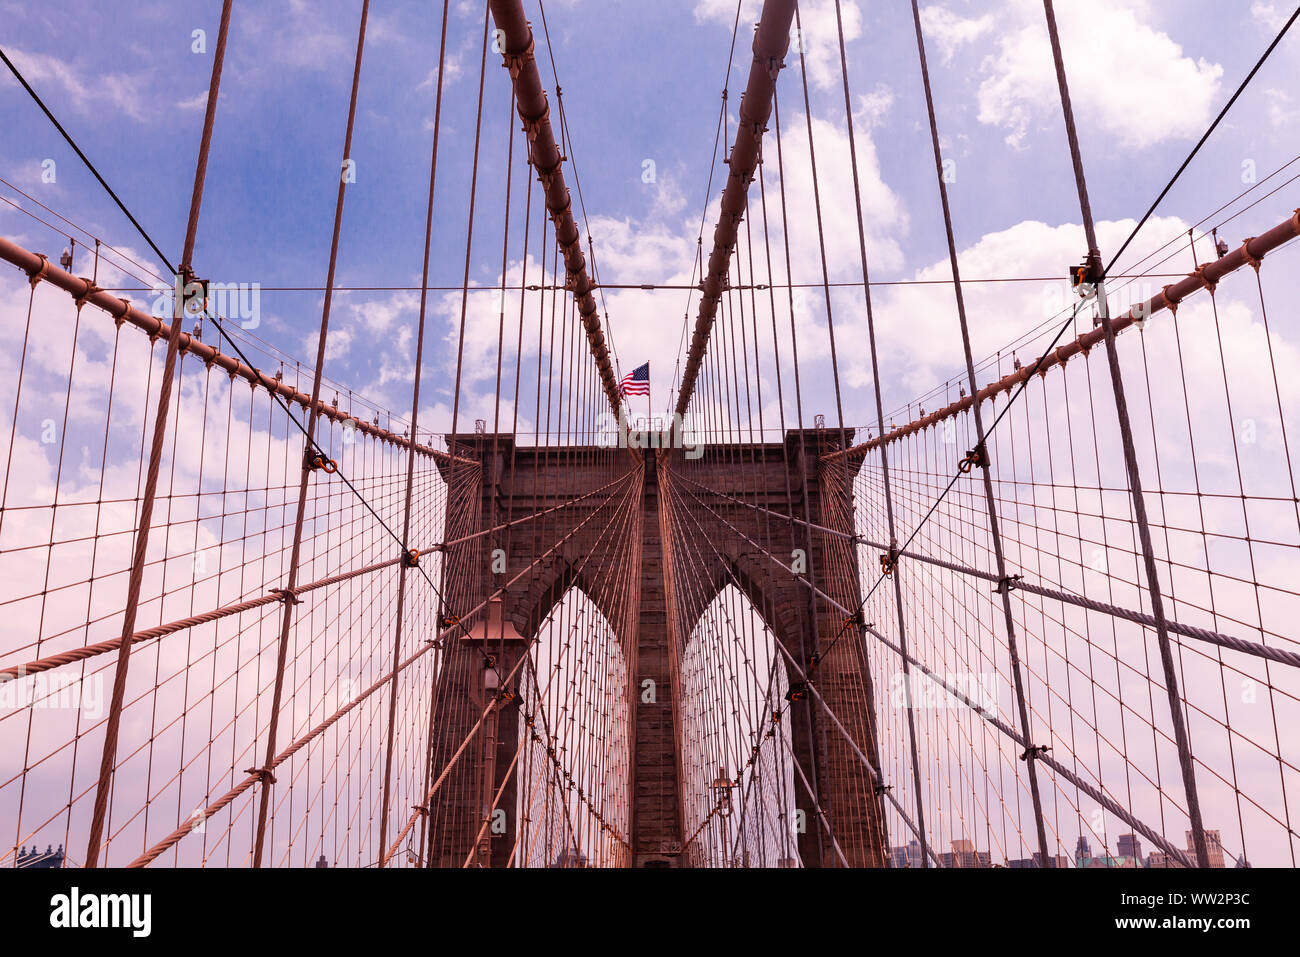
x=782, y=479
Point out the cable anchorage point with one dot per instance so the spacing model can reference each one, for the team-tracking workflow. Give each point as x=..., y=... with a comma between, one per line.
x=977, y=457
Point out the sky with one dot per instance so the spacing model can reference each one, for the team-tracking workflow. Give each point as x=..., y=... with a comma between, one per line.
x=642, y=85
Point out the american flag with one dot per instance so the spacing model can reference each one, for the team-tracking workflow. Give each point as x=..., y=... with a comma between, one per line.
x=637, y=382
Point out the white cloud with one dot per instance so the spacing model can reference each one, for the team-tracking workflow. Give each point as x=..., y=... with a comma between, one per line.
x=950, y=31
x=112, y=92
x=1268, y=14
x=873, y=107
x=453, y=71
x=819, y=38
x=1280, y=112
x=917, y=325
x=1128, y=79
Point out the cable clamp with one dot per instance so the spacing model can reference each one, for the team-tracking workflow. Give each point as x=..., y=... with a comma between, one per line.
x=286, y=596
x=889, y=561
x=311, y=461
x=882, y=788
x=1035, y=752
x=1255, y=261
x=264, y=775
x=448, y=621
x=411, y=558
x=798, y=691
x=40, y=273
x=514, y=61
x=91, y=289
x=420, y=809
x=1005, y=585
x=1200, y=274
x=533, y=124
x=977, y=457
x=1170, y=301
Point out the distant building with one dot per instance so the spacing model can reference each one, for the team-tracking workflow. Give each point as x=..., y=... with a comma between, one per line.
x=322, y=862
x=1106, y=860
x=570, y=857
x=34, y=858
x=1213, y=845
x=1058, y=860
x=1130, y=846
x=1082, y=850
x=964, y=855
x=1213, y=848
x=907, y=856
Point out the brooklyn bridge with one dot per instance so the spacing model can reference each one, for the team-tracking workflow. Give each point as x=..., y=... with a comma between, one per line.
x=1038, y=609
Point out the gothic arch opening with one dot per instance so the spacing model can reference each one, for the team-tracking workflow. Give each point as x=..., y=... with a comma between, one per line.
x=737, y=763
x=574, y=733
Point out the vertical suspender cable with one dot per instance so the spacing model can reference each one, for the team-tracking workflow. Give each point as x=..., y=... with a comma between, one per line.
x=1181, y=736
x=410, y=462
x=1030, y=754
x=114, y=718
x=296, y=550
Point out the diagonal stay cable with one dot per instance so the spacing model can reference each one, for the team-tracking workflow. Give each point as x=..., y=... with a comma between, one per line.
x=313, y=445
x=1196, y=149
x=1043, y=358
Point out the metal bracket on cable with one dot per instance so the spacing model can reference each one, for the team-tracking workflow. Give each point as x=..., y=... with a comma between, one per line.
x=1034, y=752
x=91, y=289
x=1085, y=277
x=411, y=558
x=532, y=125
x=36, y=277
x=263, y=775
x=314, y=459
x=977, y=457
x=889, y=561
x=448, y=621
x=1006, y=585
x=286, y=596
x=514, y=62
x=1254, y=260
x=798, y=691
